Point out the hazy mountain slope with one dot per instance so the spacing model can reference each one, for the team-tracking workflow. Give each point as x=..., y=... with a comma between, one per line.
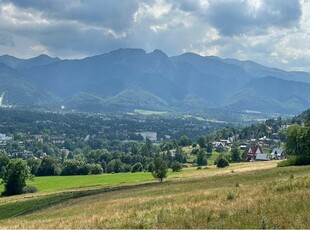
x=280, y=89
x=18, y=91
x=258, y=71
x=271, y=94
x=10, y=60
x=132, y=78
x=36, y=61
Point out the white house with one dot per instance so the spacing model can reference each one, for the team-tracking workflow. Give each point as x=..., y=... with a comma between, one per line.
x=278, y=154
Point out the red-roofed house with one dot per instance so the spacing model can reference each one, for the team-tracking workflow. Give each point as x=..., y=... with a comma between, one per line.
x=251, y=152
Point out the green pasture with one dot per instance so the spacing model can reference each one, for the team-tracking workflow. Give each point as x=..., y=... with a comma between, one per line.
x=245, y=195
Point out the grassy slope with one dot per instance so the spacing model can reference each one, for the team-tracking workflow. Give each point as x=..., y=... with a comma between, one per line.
x=247, y=195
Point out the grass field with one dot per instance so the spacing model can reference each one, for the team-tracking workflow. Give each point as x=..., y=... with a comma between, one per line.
x=246, y=195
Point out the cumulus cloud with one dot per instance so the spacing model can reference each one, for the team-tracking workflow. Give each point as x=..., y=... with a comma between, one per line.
x=266, y=31
x=233, y=18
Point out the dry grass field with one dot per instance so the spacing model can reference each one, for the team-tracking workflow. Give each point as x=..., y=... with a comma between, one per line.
x=245, y=195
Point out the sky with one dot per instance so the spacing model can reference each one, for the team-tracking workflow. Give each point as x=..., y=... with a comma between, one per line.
x=274, y=33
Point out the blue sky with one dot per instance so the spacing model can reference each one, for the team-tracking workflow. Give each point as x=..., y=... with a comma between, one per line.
x=275, y=33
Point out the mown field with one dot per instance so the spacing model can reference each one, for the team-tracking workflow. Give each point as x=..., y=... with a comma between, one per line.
x=245, y=195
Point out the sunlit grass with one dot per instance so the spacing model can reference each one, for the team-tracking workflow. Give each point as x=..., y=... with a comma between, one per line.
x=247, y=195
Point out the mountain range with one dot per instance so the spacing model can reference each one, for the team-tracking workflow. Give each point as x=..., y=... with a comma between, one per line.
x=127, y=79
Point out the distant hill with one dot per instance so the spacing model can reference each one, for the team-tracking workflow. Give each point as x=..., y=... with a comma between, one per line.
x=19, y=91
x=132, y=78
x=40, y=60
x=10, y=60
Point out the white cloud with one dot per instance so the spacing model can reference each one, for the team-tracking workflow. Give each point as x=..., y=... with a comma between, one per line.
x=265, y=31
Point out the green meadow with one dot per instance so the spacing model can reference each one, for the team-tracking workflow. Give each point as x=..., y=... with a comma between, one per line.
x=245, y=195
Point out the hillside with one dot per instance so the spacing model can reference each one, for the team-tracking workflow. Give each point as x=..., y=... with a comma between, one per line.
x=242, y=196
x=18, y=91
x=156, y=82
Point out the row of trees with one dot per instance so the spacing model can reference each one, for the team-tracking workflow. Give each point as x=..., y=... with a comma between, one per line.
x=17, y=172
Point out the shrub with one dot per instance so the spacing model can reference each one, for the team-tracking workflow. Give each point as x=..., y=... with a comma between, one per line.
x=230, y=196
x=222, y=162
x=176, y=166
x=29, y=189
x=295, y=160
x=96, y=169
x=15, y=176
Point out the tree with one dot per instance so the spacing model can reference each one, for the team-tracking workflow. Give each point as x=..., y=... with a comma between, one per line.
x=176, y=166
x=202, y=158
x=73, y=167
x=293, y=142
x=137, y=167
x=4, y=161
x=151, y=167
x=185, y=141
x=96, y=169
x=222, y=162
x=49, y=167
x=15, y=176
x=298, y=140
x=160, y=169
x=201, y=141
x=115, y=166
x=235, y=155
x=209, y=147
x=34, y=164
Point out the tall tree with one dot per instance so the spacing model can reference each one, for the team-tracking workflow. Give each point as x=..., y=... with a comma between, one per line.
x=202, y=158
x=202, y=141
x=235, y=154
x=15, y=176
x=160, y=169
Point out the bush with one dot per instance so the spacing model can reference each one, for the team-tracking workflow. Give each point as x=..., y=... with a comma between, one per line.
x=96, y=169
x=295, y=160
x=29, y=189
x=222, y=162
x=15, y=176
x=230, y=196
x=176, y=166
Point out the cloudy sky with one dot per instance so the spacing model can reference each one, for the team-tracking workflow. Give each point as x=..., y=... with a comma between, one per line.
x=275, y=33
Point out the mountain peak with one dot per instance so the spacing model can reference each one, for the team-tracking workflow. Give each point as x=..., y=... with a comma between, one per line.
x=40, y=60
x=128, y=51
x=158, y=53
x=10, y=60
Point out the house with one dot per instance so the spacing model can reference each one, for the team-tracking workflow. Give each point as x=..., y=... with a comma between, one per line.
x=4, y=138
x=58, y=139
x=251, y=153
x=150, y=135
x=262, y=157
x=219, y=146
x=278, y=154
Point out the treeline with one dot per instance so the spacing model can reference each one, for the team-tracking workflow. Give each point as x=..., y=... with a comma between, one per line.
x=298, y=142
x=86, y=161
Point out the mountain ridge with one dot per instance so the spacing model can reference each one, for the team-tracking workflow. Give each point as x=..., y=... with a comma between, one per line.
x=187, y=81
